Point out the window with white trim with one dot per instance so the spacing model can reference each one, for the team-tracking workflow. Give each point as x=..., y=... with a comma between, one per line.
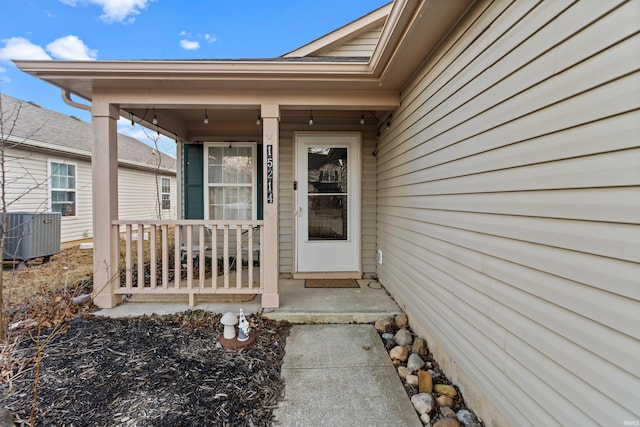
x=165, y=192
x=230, y=177
x=62, y=188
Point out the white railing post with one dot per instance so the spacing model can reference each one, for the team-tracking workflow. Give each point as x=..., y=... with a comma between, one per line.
x=153, y=260
x=128, y=264
x=250, y=257
x=140, y=234
x=202, y=255
x=225, y=251
x=191, y=245
x=214, y=257
x=165, y=256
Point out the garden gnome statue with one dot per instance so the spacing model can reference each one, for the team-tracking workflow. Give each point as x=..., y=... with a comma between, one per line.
x=243, y=327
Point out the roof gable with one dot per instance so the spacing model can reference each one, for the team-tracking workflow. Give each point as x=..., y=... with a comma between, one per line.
x=356, y=39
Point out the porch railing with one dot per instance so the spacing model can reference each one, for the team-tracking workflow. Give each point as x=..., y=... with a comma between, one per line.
x=193, y=257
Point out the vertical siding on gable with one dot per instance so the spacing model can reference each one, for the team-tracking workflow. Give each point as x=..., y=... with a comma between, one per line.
x=368, y=200
x=508, y=209
x=363, y=45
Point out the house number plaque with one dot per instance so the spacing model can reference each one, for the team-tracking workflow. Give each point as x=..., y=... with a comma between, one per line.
x=269, y=173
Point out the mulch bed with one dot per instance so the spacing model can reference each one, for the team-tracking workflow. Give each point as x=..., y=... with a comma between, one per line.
x=149, y=371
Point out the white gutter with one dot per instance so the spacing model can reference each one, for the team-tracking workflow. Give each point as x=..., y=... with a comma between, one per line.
x=66, y=97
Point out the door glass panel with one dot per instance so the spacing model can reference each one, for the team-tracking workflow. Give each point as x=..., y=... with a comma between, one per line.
x=327, y=193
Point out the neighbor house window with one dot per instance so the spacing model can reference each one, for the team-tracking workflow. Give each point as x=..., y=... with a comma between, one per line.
x=166, y=193
x=63, y=188
x=230, y=178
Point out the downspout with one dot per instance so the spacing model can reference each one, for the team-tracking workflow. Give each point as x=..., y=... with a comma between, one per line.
x=66, y=97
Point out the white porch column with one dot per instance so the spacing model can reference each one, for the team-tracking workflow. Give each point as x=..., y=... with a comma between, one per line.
x=105, y=203
x=269, y=253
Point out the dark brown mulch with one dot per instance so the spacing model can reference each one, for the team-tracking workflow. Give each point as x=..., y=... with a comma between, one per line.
x=151, y=371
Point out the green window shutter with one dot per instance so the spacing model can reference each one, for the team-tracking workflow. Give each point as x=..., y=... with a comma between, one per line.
x=259, y=190
x=193, y=182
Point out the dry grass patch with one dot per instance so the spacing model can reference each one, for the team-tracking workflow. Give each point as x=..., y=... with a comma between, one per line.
x=67, y=268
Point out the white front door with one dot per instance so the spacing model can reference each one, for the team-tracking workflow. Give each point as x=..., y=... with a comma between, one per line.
x=327, y=202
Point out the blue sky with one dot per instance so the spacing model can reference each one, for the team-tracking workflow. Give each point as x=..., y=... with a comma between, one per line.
x=156, y=29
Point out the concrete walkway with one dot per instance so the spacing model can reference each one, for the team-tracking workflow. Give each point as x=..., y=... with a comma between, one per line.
x=341, y=375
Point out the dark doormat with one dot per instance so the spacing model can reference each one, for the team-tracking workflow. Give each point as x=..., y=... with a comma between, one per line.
x=331, y=283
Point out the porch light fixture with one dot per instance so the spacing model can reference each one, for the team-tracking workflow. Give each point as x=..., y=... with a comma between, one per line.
x=155, y=118
x=362, y=119
x=206, y=117
x=132, y=123
x=311, y=118
x=258, y=120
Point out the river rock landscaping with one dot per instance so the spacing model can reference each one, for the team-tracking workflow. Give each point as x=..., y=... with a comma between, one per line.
x=436, y=400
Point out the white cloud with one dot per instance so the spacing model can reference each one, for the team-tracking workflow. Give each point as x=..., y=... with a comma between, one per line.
x=3, y=77
x=68, y=47
x=71, y=48
x=115, y=10
x=189, y=44
x=183, y=33
x=210, y=39
x=21, y=48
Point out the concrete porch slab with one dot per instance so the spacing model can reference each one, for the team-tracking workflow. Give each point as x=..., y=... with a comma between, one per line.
x=332, y=305
x=297, y=305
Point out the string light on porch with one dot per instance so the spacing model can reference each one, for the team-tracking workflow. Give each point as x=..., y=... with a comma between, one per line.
x=389, y=122
x=362, y=119
x=206, y=117
x=258, y=120
x=311, y=118
x=133, y=125
x=155, y=118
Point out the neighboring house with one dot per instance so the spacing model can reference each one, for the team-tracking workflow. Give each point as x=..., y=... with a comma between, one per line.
x=493, y=188
x=48, y=169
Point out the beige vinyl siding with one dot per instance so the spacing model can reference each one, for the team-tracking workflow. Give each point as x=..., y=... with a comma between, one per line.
x=81, y=226
x=286, y=208
x=28, y=189
x=362, y=45
x=286, y=201
x=139, y=194
x=26, y=183
x=509, y=209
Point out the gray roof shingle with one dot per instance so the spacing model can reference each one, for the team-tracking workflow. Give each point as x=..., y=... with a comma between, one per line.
x=29, y=123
